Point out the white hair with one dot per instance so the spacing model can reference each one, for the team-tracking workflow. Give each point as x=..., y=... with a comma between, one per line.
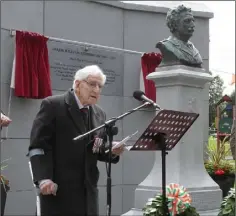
x=92, y=70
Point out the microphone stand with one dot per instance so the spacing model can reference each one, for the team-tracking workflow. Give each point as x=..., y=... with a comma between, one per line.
x=110, y=131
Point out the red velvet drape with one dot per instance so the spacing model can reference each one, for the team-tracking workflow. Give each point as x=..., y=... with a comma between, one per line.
x=32, y=70
x=149, y=62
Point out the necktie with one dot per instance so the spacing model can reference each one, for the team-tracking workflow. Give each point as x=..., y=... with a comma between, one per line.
x=85, y=113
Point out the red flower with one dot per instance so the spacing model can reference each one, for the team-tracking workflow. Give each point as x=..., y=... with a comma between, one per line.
x=219, y=172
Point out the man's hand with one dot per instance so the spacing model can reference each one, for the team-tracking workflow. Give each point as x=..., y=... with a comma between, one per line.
x=48, y=187
x=118, y=151
x=5, y=121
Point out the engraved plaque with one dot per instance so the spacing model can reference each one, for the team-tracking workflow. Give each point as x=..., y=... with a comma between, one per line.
x=65, y=59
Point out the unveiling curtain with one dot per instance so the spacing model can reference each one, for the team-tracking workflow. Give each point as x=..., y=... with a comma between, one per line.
x=149, y=62
x=32, y=70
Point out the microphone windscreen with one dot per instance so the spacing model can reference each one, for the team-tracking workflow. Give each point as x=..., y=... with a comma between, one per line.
x=138, y=95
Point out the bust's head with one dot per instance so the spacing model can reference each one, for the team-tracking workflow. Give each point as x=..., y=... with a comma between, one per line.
x=180, y=21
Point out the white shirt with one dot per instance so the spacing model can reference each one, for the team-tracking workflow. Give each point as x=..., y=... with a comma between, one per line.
x=81, y=106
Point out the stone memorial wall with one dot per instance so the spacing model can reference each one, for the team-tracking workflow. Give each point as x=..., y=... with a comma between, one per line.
x=66, y=58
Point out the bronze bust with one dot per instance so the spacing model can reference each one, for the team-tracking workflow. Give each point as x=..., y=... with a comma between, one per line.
x=177, y=49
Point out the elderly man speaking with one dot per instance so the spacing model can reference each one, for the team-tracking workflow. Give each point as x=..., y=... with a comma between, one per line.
x=66, y=170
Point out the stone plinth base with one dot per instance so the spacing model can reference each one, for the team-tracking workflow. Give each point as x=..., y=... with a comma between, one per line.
x=136, y=212
x=181, y=88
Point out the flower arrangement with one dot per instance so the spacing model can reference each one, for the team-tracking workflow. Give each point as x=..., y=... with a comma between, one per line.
x=222, y=168
x=178, y=202
x=217, y=165
x=228, y=204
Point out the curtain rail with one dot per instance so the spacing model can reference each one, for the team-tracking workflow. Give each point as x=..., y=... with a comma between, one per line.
x=13, y=32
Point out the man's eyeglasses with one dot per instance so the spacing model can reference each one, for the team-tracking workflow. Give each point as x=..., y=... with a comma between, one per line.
x=94, y=84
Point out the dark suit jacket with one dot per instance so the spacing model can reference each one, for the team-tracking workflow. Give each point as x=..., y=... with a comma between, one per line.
x=70, y=164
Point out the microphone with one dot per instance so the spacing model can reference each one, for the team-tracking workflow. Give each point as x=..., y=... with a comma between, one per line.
x=140, y=96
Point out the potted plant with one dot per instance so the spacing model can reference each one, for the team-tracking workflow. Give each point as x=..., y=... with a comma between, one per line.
x=5, y=187
x=227, y=207
x=220, y=170
x=178, y=201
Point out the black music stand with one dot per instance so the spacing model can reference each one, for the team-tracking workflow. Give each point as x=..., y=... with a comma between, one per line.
x=162, y=134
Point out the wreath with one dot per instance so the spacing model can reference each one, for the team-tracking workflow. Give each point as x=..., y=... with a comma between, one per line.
x=178, y=202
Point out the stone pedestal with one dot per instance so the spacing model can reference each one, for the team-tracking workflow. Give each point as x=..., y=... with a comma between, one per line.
x=182, y=88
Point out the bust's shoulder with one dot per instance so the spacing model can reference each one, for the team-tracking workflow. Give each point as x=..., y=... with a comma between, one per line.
x=168, y=42
x=164, y=41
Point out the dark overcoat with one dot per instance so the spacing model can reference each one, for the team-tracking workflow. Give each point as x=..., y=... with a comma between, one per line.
x=70, y=164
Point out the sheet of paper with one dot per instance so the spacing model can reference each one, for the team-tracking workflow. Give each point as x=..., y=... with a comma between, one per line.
x=123, y=142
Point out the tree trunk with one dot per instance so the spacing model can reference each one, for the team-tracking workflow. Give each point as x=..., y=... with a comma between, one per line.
x=232, y=141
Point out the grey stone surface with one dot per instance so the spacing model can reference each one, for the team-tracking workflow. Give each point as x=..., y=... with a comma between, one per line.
x=138, y=212
x=209, y=213
x=131, y=77
x=15, y=150
x=19, y=9
x=20, y=203
x=7, y=44
x=134, y=161
x=182, y=88
x=21, y=110
x=95, y=23
x=128, y=193
x=98, y=23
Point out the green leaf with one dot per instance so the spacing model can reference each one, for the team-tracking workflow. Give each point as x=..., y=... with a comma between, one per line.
x=226, y=211
x=228, y=204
